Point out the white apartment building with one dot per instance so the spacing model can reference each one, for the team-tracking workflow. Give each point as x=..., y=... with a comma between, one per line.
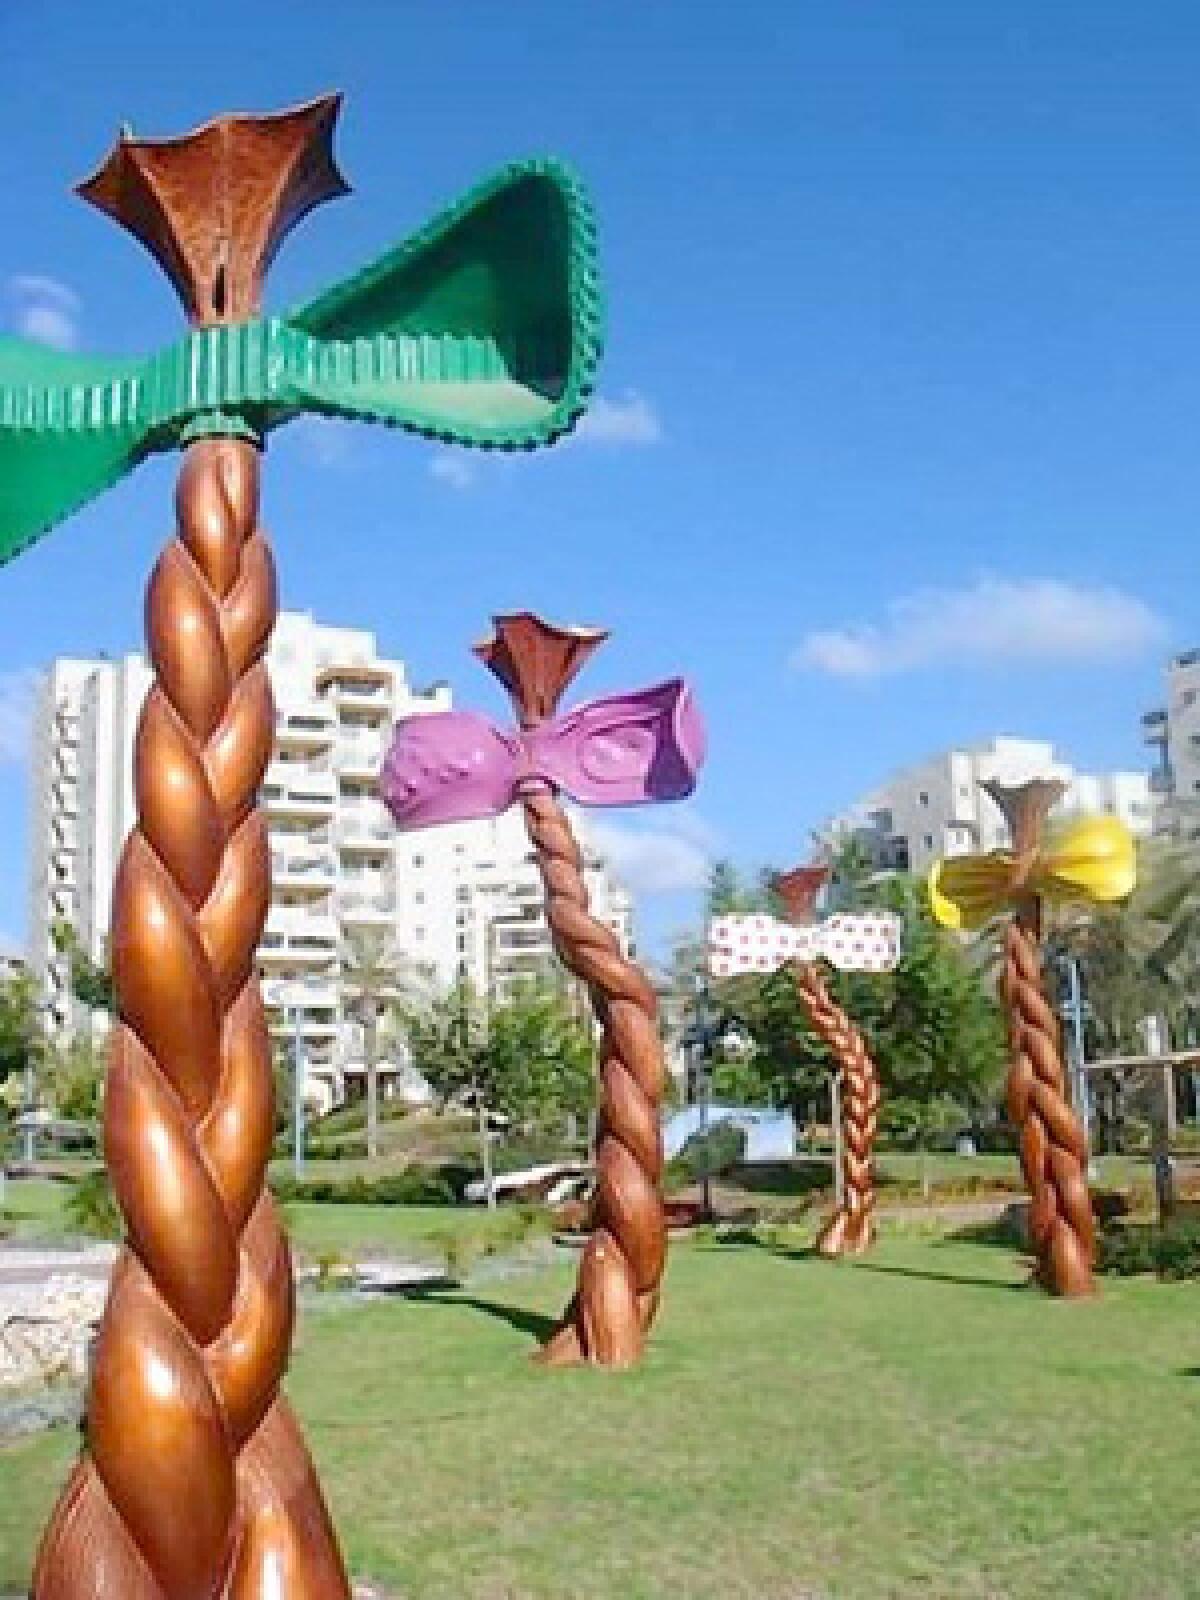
x=938, y=808
x=458, y=902
x=1173, y=733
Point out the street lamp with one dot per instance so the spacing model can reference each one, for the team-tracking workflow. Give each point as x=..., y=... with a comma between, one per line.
x=298, y=1067
x=699, y=1041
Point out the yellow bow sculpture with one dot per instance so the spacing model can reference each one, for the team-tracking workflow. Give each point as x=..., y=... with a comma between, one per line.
x=1090, y=859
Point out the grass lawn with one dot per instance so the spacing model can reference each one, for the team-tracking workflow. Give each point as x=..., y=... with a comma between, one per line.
x=916, y=1424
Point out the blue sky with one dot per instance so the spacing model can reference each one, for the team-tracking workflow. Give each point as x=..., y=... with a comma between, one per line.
x=902, y=299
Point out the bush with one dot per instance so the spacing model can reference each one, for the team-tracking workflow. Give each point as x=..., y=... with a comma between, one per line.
x=1171, y=1253
x=414, y=1188
x=714, y=1153
x=92, y=1207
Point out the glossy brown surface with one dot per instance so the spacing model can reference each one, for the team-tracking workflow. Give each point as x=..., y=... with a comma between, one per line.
x=851, y=1229
x=798, y=891
x=195, y=1483
x=1052, y=1145
x=214, y=206
x=621, y=1270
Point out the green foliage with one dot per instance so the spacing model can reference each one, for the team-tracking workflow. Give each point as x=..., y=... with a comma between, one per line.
x=1171, y=1253
x=92, y=1207
x=21, y=1038
x=727, y=893
x=933, y=1027
x=413, y=1188
x=91, y=981
x=530, y=1059
x=75, y=1080
x=711, y=1154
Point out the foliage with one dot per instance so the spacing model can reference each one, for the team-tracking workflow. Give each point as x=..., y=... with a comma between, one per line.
x=1171, y=1252
x=91, y=981
x=375, y=978
x=934, y=1029
x=414, y=1188
x=530, y=1059
x=21, y=1038
x=92, y=1208
x=727, y=892
x=75, y=1080
x=713, y=1153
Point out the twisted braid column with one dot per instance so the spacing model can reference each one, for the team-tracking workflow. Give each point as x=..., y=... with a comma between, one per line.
x=196, y=1483
x=1052, y=1146
x=851, y=1229
x=621, y=1271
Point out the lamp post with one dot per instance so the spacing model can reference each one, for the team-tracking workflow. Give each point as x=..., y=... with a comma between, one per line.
x=700, y=1038
x=298, y=1070
x=1074, y=1010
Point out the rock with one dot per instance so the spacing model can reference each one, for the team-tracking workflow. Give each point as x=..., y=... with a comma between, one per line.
x=46, y=1330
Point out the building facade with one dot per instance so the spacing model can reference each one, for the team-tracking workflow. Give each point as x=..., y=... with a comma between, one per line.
x=1173, y=733
x=937, y=808
x=458, y=903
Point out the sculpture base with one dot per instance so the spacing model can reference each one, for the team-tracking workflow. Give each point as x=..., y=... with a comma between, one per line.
x=847, y=1233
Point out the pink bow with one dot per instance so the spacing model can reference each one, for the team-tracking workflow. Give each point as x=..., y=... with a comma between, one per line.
x=869, y=942
x=621, y=750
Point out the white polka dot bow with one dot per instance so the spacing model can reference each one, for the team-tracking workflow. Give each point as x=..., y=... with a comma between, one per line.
x=865, y=942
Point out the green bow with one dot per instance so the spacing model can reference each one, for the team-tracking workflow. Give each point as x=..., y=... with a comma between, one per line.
x=483, y=329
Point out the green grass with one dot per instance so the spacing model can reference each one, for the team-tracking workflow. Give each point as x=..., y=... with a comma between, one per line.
x=916, y=1424
x=34, y=1209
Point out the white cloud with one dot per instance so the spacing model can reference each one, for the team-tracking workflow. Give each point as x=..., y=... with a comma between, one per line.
x=17, y=690
x=986, y=623
x=629, y=420
x=452, y=468
x=660, y=857
x=44, y=309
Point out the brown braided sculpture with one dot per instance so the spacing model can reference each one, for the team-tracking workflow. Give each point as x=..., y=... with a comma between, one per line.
x=195, y=1483
x=621, y=1269
x=851, y=1229
x=1053, y=1148
x=1093, y=859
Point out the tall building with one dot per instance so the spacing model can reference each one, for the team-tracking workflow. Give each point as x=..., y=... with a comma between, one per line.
x=461, y=902
x=937, y=808
x=1173, y=733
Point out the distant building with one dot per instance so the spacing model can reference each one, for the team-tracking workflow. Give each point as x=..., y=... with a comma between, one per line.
x=938, y=808
x=458, y=902
x=1173, y=733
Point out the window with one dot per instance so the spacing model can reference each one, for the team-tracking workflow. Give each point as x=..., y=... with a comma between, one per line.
x=420, y=935
x=929, y=841
x=418, y=861
x=461, y=943
x=924, y=797
x=462, y=895
x=419, y=897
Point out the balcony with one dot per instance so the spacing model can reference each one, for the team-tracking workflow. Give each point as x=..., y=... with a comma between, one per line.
x=1162, y=781
x=303, y=871
x=299, y=938
x=359, y=758
x=357, y=686
x=370, y=830
x=287, y=794
x=358, y=909
x=305, y=730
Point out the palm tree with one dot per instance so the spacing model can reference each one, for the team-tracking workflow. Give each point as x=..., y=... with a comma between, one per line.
x=375, y=978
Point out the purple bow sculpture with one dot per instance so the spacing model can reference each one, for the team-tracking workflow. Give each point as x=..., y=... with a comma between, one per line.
x=619, y=750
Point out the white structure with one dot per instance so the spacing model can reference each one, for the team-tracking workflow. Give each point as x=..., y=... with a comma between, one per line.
x=1173, y=732
x=938, y=808
x=459, y=902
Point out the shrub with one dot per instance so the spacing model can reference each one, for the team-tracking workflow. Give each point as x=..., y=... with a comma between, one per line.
x=414, y=1188
x=713, y=1153
x=1171, y=1253
x=92, y=1208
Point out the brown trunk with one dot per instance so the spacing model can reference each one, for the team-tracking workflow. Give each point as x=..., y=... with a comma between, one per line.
x=1052, y=1146
x=851, y=1229
x=196, y=1484
x=621, y=1271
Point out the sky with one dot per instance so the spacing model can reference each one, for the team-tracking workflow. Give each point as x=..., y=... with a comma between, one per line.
x=895, y=439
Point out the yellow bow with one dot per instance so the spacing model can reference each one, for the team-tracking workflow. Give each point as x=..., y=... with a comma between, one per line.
x=1092, y=859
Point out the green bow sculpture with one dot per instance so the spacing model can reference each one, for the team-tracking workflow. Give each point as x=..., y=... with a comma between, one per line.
x=482, y=329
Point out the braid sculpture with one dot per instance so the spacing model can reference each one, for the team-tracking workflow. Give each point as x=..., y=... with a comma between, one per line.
x=622, y=1266
x=196, y=1483
x=851, y=1229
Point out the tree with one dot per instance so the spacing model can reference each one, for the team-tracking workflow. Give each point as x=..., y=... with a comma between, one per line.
x=21, y=1040
x=76, y=1080
x=726, y=892
x=91, y=981
x=375, y=978
x=539, y=1057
